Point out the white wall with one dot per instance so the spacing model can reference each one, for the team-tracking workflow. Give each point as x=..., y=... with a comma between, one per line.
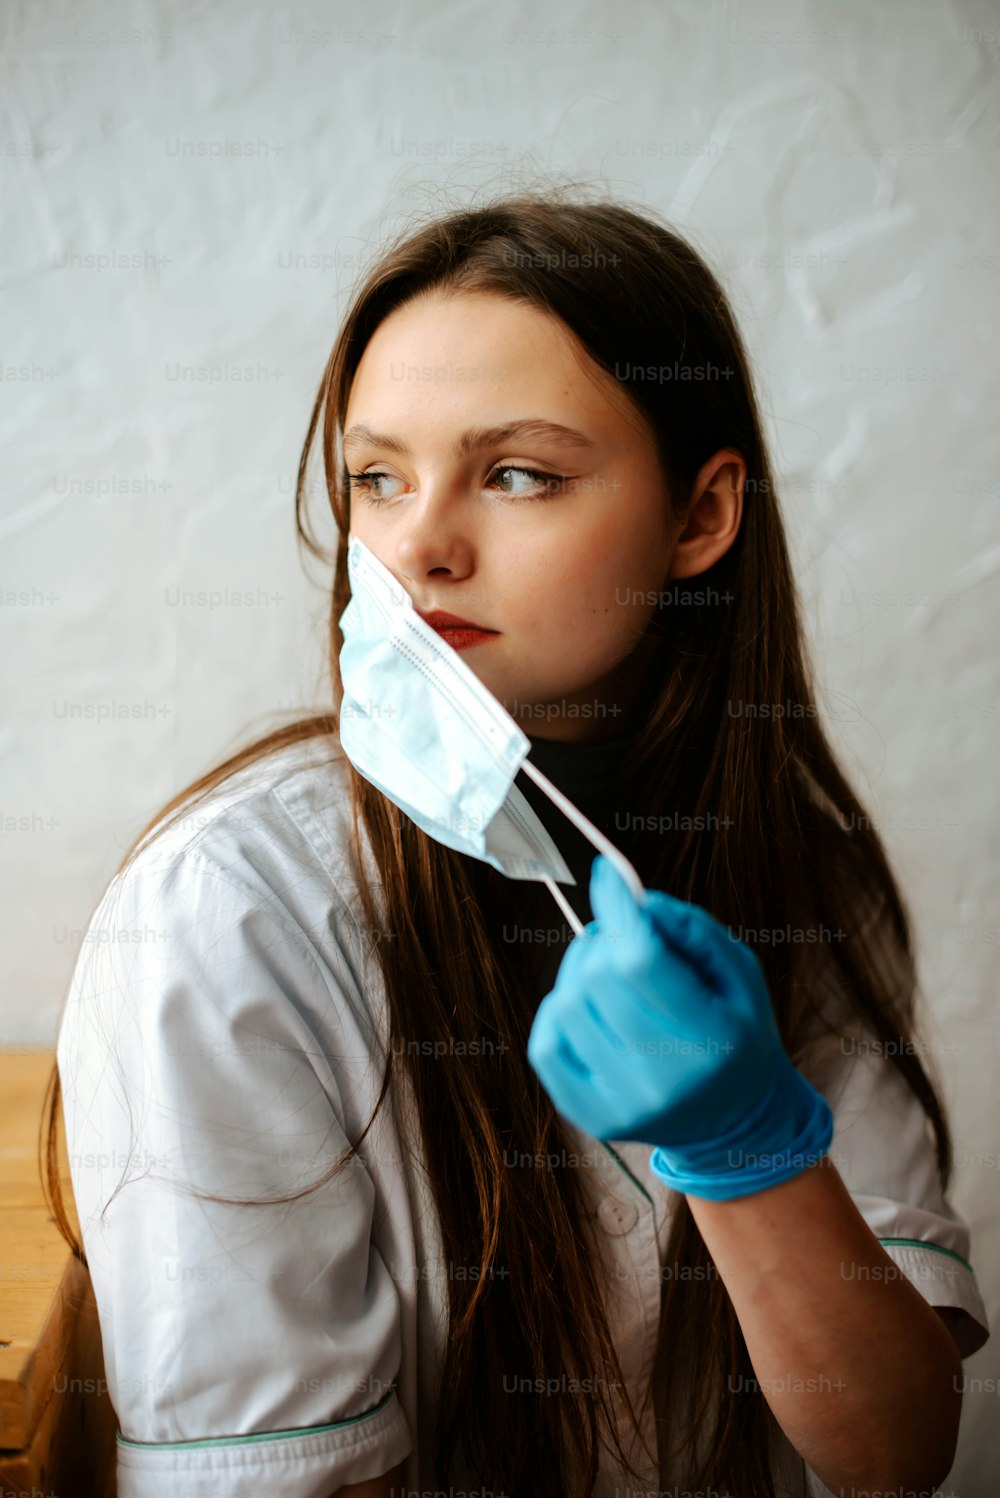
x=162, y=167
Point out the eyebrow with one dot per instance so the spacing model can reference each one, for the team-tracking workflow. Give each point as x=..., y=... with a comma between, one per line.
x=476, y=438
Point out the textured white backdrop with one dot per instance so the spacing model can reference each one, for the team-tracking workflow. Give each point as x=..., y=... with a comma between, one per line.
x=188, y=192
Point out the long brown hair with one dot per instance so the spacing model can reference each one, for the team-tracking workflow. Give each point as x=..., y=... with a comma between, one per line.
x=798, y=847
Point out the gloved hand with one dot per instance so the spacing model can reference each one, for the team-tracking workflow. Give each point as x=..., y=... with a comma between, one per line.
x=660, y=1028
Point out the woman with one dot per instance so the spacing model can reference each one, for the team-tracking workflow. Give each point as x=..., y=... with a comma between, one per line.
x=438, y=1275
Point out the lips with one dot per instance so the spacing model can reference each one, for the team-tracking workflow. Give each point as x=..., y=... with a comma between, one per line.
x=443, y=622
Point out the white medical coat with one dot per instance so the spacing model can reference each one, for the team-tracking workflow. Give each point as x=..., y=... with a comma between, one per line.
x=220, y=1027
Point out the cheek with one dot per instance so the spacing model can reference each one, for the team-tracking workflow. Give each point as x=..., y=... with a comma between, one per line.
x=577, y=597
x=554, y=592
x=623, y=595
x=358, y=524
x=581, y=613
x=600, y=582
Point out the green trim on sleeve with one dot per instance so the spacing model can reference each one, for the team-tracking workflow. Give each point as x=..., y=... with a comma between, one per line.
x=267, y=1435
x=934, y=1247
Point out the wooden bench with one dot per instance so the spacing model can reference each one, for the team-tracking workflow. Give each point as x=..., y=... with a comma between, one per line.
x=57, y=1424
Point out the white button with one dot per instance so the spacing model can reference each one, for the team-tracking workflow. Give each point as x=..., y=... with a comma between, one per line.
x=617, y=1216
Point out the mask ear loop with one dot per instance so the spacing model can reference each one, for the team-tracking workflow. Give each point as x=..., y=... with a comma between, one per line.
x=593, y=835
x=564, y=905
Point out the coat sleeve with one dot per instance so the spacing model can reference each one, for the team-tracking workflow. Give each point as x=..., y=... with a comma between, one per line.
x=883, y=1147
x=248, y=1349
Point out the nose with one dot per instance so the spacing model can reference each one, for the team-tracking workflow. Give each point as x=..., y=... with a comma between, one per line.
x=434, y=540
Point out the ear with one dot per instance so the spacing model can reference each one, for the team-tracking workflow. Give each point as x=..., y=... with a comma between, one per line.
x=714, y=514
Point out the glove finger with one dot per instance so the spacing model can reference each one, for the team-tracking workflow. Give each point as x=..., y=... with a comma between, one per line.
x=575, y=961
x=646, y=952
x=584, y=973
x=628, y=1068
x=646, y=971
x=578, y=1093
x=635, y=1079
x=597, y=1041
x=674, y=1023
x=690, y=929
x=547, y=1048
x=696, y=935
x=611, y=900
x=631, y=1004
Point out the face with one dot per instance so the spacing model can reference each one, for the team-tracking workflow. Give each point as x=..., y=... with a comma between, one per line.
x=555, y=536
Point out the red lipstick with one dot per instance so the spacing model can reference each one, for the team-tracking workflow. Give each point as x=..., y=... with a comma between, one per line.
x=458, y=632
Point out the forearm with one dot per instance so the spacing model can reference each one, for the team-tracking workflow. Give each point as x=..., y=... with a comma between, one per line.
x=858, y=1369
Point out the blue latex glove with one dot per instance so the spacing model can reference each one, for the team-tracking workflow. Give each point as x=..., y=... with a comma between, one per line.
x=660, y=1028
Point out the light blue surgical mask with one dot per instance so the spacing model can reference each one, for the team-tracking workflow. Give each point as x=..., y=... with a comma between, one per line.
x=420, y=726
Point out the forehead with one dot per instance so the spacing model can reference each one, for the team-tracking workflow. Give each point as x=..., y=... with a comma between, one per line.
x=466, y=357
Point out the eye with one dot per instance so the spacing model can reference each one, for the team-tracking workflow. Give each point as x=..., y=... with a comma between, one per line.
x=365, y=481
x=542, y=486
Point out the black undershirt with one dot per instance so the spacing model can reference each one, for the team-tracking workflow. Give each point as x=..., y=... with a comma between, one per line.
x=588, y=774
